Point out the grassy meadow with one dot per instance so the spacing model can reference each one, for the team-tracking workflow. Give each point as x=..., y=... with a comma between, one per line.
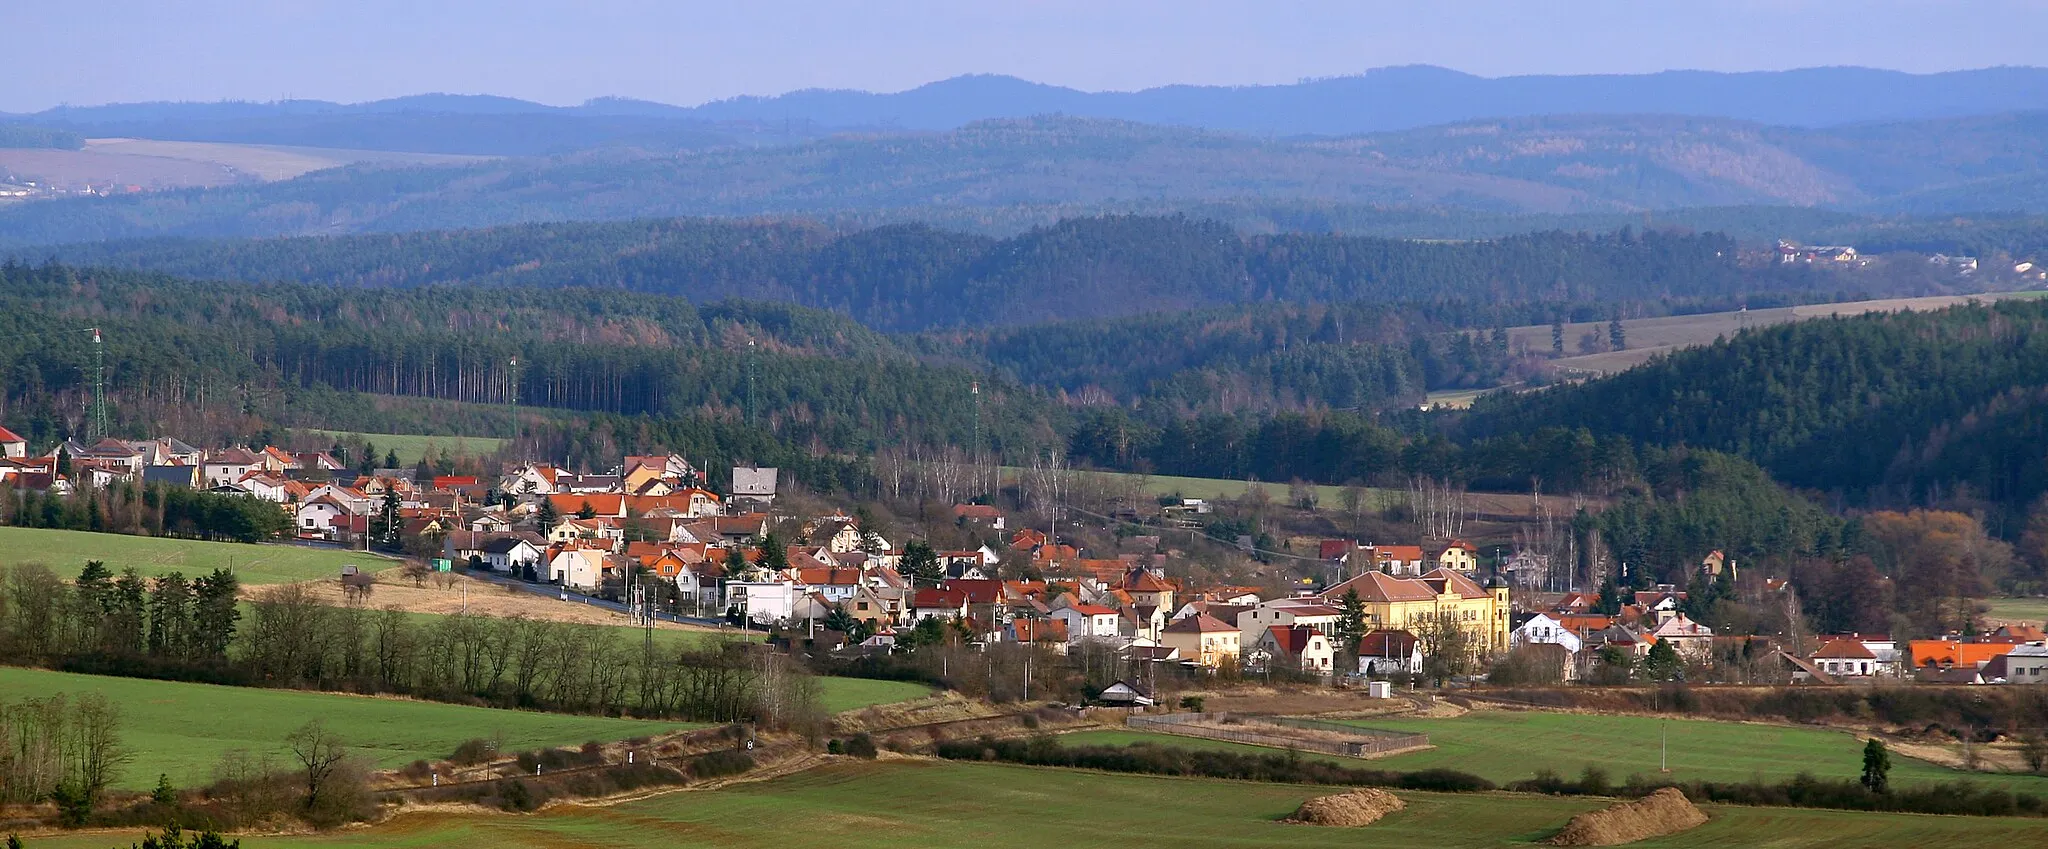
x=412, y=446
x=939, y=805
x=67, y=552
x=181, y=730
x=2029, y=611
x=1510, y=745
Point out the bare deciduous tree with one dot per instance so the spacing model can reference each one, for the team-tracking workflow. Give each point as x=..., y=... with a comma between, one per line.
x=319, y=751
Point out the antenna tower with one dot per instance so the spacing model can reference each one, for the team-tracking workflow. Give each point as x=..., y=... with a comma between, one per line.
x=750, y=381
x=98, y=428
x=975, y=459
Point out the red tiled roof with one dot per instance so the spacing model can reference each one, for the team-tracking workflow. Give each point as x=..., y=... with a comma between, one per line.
x=1331, y=549
x=1402, y=553
x=1844, y=649
x=1453, y=581
x=1143, y=581
x=977, y=591
x=976, y=511
x=1381, y=587
x=10, y=436
x=1292, y=639
x=932, y=599
x=1092, y=610
x=1200, y=623
x=1386, y=643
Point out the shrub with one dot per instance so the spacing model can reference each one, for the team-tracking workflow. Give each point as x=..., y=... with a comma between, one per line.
x=721, y=763
x=473, y=752
x=834, y=747
x=514, y=795
x=861, y=746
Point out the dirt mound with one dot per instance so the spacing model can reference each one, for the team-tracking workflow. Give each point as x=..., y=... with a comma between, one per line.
x=1358, y=807
x=1666, y=811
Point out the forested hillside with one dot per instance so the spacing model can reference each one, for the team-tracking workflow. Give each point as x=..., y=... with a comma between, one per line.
x=1010, y=173
x=188, y=357
x=29, y=135
x=912, y=277
x=1936, y=407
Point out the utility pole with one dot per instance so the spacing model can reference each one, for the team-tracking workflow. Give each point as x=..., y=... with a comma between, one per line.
x=515, y=399
x=1664, y=750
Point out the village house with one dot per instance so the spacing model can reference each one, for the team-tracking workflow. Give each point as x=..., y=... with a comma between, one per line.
x=1285, y=612
x=1459, y=556
x=1845, y=658
x=574, y=566
x=753, y=488
x=227, y=465
x=1544, y=628
x=1691, y=640
x=511, y=555
x=1085, y=621
x=1203, y=639
x=2027, y=664
x=1390, y=651
x=1296, y=647
x=1441, y=596
x=12, y=445
x=978, y=515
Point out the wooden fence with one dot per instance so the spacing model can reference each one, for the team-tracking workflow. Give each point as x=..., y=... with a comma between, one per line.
x=1272, y=732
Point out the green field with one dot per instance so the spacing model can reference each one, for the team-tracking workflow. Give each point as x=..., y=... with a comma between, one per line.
x=67, y=551
x=182, y=730
x=1217, y=489
x=844, y=694
x=411, y=446
x=938, y=805
x=1510, y=745
x=2032, y=611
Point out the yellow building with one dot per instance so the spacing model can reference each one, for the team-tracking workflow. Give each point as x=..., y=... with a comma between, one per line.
x=1413, y=604
x=1202, y=638
x=1459, y=556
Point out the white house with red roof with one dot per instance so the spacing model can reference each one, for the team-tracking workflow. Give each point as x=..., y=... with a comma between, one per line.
x=12, y=445
x=1085, y=621
x=1286, y=612
x=1299, y=647
x=1846, y=657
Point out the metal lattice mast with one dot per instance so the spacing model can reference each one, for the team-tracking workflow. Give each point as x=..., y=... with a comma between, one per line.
x=98, y=427
x=750, y=381
x=975, y=387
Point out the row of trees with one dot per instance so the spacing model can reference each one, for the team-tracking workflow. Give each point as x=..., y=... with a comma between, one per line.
x=61, y=747
x=169, y=627
x=147, y=510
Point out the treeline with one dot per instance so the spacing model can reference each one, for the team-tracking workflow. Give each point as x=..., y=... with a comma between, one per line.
x=191, y=358
x=172, y=628
x=59, y=748
x=14, y=134
x=1893, y=409
x=911, y=277
x=151, y=510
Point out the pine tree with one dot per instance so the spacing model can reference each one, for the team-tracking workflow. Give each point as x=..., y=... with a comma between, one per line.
x=1557, y=338
x=547, y=518
x=1663, y=663
x=1350, y=627
x=1617, y=336
x=921, y=562
x=1877, y=766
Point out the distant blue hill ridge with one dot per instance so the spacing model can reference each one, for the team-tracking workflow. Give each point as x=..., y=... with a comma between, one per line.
x=1383, y=99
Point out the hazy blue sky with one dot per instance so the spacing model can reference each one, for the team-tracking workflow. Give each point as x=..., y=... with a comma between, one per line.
x=97, y=51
